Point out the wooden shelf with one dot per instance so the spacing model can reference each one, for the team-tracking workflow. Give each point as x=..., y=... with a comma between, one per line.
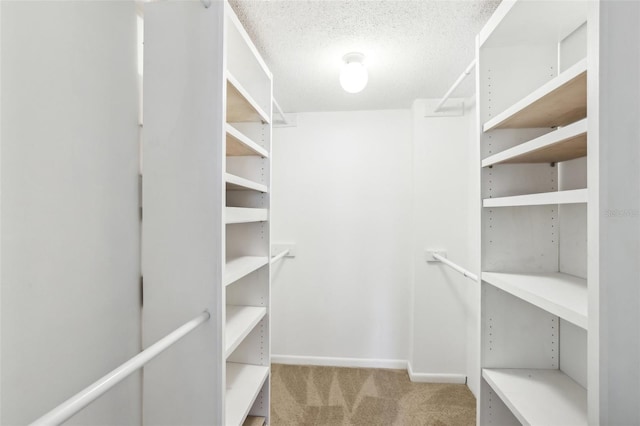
x=239, y=267
x=254, y=421
x=245, y=215
x=240, y=321
x=540, y=397
x=560, y=294
x=561, y=101
x=241, y=107
x=238, y=183
x=566, y=143
x=244, y=382
x=573, y=196
x=239, y=145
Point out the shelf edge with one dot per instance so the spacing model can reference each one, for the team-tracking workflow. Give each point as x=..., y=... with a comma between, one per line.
x=539, y=300
x=231, y=278
x=245, y=183
x=547, y=140
x=574, y=196
x=247, y=215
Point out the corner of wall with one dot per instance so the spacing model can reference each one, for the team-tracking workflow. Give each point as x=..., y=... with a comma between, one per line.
x=442, y=314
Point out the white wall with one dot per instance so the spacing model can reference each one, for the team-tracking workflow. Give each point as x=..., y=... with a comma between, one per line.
x=442, y=298
x=363, y=194
x=342, y=192
x=70, y=305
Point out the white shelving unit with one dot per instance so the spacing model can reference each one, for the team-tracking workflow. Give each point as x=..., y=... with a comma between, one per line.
x=532, y=101
x=246, y=277
x=207, y=184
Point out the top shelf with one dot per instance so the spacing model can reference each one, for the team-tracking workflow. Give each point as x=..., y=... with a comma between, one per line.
x=241, y=107
x=559, y=102
x=522, y=23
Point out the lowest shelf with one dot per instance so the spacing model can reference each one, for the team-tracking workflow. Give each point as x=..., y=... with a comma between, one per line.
x=254, y=421
x=244, y=382
x=540, y=397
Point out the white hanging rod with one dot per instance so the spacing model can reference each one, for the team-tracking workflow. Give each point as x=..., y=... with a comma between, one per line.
x=284, y=119
x=455, y=85
x=86, y=396
x=454, y=266
x=279, y=256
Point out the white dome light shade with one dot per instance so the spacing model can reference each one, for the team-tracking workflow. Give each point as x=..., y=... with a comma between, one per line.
x=354, y=75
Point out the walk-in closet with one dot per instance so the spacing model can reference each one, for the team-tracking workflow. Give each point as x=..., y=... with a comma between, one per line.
x=310, y=212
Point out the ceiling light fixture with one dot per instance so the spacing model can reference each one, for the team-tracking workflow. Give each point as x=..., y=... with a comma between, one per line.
x=353, y=76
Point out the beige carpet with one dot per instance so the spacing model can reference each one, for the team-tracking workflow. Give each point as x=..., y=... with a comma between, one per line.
x=304, y=395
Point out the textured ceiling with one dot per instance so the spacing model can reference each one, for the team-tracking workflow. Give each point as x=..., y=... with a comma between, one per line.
x=413, y=49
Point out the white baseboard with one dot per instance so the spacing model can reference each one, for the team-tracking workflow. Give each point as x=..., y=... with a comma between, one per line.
x=435, y=378
x=396, y=364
